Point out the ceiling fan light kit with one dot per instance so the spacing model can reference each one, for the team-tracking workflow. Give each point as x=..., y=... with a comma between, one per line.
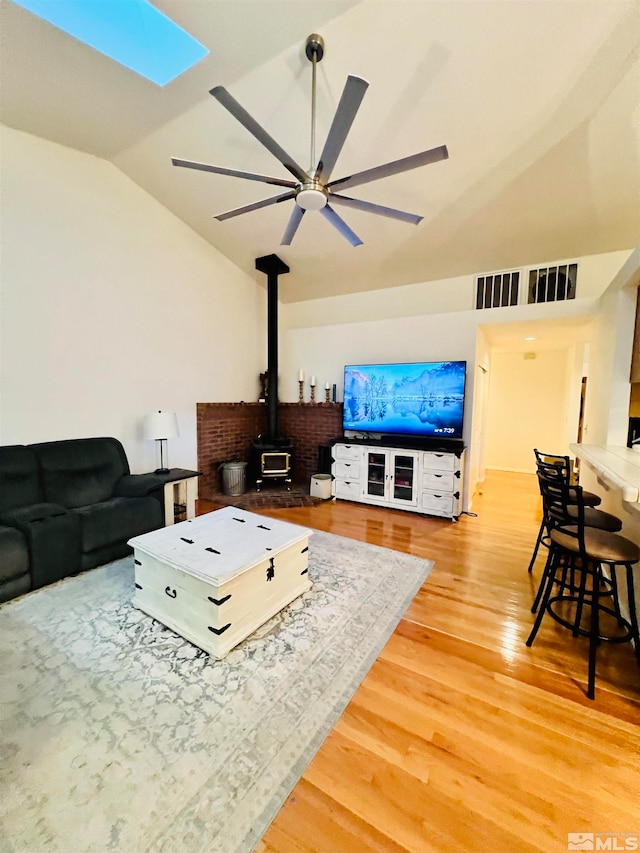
x=313, y=189
x=312, y=197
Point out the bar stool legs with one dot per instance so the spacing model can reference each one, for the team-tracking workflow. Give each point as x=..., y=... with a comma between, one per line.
x=581, y=570
x=536, y=548
x=633, y=613
x=560, y=571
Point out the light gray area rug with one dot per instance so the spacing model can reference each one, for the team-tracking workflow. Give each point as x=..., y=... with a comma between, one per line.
x=118, y=735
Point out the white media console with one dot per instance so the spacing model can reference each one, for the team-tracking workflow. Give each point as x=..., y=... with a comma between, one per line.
x=423, y=481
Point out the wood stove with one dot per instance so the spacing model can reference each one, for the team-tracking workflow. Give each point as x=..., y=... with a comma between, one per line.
x=275, y=463
x=272, y=462
x=272, y=453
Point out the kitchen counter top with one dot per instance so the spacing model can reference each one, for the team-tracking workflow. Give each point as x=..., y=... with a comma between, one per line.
x=615, y=468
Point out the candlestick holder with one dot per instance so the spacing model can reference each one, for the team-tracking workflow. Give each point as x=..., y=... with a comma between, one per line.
x=327, y=392
x=313, y=393
x=301, y=390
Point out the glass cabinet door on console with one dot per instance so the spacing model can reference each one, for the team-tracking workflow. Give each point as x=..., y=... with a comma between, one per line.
x=391, y=476
x=403, y=478
x=377, y=479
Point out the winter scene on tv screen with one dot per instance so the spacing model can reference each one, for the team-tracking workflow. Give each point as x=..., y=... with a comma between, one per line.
x=422, y=399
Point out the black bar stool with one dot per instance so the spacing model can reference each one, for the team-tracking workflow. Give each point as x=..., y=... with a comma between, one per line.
x=593, y=517
x=551, y=480
x=574, y=576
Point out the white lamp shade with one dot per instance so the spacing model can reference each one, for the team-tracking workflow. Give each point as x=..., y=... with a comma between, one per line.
x=160, y=425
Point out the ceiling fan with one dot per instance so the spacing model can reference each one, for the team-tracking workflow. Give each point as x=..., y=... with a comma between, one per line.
x=313, y=189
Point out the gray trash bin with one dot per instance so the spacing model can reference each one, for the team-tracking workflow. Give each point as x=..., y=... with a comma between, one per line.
x=234, y=478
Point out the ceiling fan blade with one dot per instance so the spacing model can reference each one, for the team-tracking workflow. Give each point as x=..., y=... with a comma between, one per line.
x=367, y=206
x=433, y=155
x=339, y=223
x=292, y=226
x=234, y=173
x=255, y=206
x=239, y=113
x=352, y=96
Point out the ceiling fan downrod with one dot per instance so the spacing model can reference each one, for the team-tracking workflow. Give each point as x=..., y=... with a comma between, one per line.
x=314, y=49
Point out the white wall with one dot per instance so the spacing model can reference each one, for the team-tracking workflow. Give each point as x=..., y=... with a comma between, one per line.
x=447, y=295
x=482, y=368
x=578, y=367
x=325, y=350
x=541, y=396
x=112, y=308
x=409, y=323
x=608, y=390
x=320, y=349
x=527, y=408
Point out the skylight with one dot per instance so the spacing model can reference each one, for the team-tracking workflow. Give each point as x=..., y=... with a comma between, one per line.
x=133, y=32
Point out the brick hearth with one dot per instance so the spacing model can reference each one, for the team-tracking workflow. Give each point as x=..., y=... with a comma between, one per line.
x=273, y=497
x=226, y=432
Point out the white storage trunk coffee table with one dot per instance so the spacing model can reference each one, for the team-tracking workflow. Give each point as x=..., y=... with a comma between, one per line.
x=216, y=578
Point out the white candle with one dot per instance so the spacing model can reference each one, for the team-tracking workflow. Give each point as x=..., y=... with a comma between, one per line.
x=327, y=386
x=313, y=381
x=301, y=376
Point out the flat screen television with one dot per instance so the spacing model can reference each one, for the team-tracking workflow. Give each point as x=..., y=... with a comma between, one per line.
x=423, y=399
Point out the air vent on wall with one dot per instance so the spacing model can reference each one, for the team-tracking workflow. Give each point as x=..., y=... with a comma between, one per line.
x=552, y=284
x=497, y=290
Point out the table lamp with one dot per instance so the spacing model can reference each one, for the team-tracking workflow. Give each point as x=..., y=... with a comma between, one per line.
x=160, y=426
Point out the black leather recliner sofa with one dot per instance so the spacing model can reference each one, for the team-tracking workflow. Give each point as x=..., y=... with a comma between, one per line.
x=69, y=505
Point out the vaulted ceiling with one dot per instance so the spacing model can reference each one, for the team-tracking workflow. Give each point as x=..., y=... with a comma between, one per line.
x=537, y=102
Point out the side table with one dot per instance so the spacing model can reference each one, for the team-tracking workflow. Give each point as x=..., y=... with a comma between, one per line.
x=179, y=488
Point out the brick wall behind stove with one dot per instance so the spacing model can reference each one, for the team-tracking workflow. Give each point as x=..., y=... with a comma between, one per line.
x=226, y=431
x=309, y=426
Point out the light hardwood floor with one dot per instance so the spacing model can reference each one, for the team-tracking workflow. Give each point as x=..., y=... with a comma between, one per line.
x=460, y=738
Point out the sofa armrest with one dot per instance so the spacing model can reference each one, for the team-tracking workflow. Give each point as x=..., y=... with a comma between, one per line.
x=138, y=485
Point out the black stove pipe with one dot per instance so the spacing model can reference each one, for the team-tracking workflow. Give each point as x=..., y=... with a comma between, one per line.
x=272, y=266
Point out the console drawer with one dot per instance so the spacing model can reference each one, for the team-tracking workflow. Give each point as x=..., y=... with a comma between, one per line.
x=433, y=461
x=437, y=503
x=347, y=452
x=348, y=489
x=440, y=482
x=347, y=470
